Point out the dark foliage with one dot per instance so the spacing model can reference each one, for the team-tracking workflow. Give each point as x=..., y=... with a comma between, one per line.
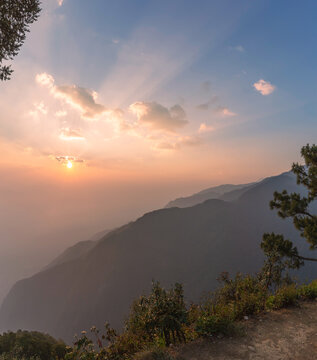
x=16, y=16
x=29, y=345
x=296, y=207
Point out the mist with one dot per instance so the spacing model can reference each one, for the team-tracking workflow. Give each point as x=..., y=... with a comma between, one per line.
x=41, y=216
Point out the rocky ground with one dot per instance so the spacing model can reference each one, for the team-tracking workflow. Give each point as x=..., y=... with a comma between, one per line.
x=285, y=334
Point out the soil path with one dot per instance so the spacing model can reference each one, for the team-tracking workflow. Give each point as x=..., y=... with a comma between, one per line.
x=288, y=334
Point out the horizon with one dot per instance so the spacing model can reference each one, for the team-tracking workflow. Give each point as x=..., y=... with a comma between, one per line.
x=116, y=108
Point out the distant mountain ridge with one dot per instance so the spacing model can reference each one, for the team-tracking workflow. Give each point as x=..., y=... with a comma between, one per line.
x=227, y=192
x=76, y=251
x=192, y=245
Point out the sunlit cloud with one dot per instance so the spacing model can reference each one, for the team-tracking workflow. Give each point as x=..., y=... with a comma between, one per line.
x=264, y=87
x=82, y=99
x=180, y=142
x=157, y=116
x=71, y=134
x=61, y=113
x=39, y=108
x=205, y=128
x=45, y=79
x=64, y=159
x=60, y=2
x=224, y=111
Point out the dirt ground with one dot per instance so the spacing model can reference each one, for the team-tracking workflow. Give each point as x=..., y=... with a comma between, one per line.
x=285, y=334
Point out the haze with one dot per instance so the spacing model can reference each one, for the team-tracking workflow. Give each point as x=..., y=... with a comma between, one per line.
x=148, y=101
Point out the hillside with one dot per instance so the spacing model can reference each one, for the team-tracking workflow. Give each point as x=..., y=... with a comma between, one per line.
x=288, y=334
x=76, y=251
x=189, y=245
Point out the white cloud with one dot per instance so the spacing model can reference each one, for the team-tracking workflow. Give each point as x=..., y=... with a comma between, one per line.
x=205, y=128
x=238, y=48
x=159, y=117
x=264, y=87
x=40, y=108
x=60, y=2
x=82, y=99
x=225, y=112
x=71, y=134
x=61, y=113
x=45, y=79
x=77, y=97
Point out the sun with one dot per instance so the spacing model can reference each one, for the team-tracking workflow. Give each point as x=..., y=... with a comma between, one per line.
x=69, y=164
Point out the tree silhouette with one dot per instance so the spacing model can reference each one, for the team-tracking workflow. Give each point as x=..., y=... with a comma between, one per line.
x=298, y=208
x=16, y=16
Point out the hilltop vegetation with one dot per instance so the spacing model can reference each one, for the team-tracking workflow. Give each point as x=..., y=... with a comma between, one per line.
x=30, y=345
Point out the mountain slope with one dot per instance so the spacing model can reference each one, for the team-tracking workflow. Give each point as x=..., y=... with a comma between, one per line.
x=190, y=245
x=76, y=251
x=225, y=192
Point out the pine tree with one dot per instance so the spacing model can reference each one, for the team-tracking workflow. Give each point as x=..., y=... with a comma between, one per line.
x=298, y=208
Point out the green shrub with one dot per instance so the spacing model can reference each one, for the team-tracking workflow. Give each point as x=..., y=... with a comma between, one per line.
x=308, y=291
x=283, y=297
x=213, y=325
x=243, y=295
x=30, y=345
x=162, y=314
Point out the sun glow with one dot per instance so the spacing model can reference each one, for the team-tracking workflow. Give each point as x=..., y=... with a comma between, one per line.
x=69, y=164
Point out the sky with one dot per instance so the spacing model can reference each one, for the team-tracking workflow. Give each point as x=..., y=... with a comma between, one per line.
x=116, y=107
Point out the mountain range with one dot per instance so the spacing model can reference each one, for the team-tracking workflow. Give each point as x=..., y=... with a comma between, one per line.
x=97, y=281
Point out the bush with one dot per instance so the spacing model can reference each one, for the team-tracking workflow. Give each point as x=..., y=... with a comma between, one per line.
x=308, y=291
x=30, y=345
x=162, y=314
x=213, y=324
x=243, y=295
x=161, y=318
x=284, y=297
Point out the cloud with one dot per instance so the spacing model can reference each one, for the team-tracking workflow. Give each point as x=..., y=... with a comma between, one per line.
x=207, y=105
x=82, y=99
x=71, y=134
x=238, y=48
x=45, y=79
x=224, y=111
x=40, y=108
x=205, y=128
x=60, y=2
x=61, y=113
x=65, y=158
x=182, y=141
x=159, y=117
x=77, y=97
x=264, y=87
